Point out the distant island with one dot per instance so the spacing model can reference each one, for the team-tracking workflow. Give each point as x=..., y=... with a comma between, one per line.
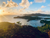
x=37, y=14
x=28, y=17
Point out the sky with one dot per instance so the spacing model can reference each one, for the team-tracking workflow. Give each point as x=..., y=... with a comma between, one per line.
x=17, y=7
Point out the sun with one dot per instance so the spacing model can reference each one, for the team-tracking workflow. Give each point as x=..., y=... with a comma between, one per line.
x=0, y=12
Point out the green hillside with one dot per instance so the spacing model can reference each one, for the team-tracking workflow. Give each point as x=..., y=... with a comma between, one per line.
x=4, y=25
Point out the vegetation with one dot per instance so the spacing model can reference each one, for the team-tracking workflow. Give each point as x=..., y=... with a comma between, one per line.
x=19, y=23
x=28, y=17
x=44, y=21
x=45, y=28
x=8, y=29
x=29, y=32
x=12, y=30
x=46, y=18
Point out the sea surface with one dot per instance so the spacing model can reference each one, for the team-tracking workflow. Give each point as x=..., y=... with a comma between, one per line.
x=34, y=23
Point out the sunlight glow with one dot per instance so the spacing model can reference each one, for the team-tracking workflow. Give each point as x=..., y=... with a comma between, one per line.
x=0, y=12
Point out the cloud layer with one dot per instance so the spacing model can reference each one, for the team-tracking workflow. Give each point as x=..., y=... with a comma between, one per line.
x=40, y=11
x=25, y=3
x=10, y=4
x=39, y=1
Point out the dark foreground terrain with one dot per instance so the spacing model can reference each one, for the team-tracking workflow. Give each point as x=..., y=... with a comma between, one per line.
x=29, y=32
x=12, y=30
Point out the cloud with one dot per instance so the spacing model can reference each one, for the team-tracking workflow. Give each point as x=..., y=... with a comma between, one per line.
x=49, y=5
x=43, y=6
x=4, y=3
x=39, y=11
x=31, y=2
x=25, y=3
x=22, y=9
x=39, y=1
x=10, y=4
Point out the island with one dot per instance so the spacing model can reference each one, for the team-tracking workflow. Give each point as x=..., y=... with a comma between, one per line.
x=29, y=17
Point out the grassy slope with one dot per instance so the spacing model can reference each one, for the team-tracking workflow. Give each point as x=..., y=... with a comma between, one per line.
x=4, y=25
x=9, y=31
x=44, y=28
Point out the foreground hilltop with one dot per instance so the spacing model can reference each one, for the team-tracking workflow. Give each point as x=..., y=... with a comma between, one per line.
x=12, y=30
x=29, y=32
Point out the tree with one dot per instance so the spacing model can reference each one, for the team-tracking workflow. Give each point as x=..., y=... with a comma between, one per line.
x=19, y=23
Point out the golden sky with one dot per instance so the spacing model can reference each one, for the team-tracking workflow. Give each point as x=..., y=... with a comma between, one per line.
x=17, y=7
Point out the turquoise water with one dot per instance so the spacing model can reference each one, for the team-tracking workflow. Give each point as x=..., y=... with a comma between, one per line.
x=10, y=18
